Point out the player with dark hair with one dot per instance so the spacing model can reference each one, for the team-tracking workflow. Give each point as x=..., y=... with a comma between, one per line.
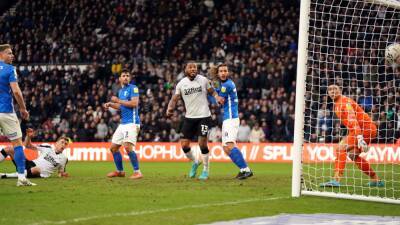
x=361, y=131
x=126, y=133
x=227, y=90
x=193, y=89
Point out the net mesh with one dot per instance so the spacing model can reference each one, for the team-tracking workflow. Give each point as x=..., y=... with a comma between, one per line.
x=346, y=47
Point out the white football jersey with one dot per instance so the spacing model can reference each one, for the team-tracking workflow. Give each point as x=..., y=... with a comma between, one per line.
x=49, y=161
x=194, y=94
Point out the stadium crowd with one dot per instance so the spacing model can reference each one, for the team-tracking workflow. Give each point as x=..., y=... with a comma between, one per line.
x=257, y=39
x=352, y=57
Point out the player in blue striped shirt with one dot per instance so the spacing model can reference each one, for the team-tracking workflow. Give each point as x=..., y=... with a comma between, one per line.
x=230, y=125
x=8, y=119
x=126, y=134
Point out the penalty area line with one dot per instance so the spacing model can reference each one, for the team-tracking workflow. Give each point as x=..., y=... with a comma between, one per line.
x=145, y=212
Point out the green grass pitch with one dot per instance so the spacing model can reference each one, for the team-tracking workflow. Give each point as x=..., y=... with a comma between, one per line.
x=164, y=196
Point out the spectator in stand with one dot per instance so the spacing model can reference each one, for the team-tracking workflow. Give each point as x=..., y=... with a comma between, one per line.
x=215, y=134
x=243, y=132
x=257, y=134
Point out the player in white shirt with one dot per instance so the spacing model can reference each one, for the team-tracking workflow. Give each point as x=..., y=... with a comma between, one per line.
x=50, y=160
x=193, y=89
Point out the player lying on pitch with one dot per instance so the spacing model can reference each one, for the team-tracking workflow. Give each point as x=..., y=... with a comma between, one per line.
x=49, y=161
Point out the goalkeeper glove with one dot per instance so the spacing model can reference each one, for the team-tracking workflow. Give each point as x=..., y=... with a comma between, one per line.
x=362, y=144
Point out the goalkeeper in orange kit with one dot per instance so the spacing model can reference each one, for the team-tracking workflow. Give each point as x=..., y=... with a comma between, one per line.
x=361, y=131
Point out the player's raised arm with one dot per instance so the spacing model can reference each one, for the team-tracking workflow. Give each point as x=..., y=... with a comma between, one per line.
x=28, y=139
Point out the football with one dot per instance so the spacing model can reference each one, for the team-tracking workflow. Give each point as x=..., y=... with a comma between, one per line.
x=392, y=53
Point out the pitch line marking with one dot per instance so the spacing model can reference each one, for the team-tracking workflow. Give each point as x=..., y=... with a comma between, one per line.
x=145, y=212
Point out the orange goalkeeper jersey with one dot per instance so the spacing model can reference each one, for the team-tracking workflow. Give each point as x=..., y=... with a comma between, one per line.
x=352, y=115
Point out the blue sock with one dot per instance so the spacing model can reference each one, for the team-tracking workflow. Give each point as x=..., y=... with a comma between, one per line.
x=134, y=160
x=19, y=158
x=237, y=158
x=118, y=160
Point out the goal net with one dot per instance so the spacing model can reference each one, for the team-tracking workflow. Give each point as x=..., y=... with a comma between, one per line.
x=345, y=45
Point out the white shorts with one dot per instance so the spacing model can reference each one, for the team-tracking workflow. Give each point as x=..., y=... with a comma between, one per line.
x=9, y=125
x=230, y=129
x=126, y=133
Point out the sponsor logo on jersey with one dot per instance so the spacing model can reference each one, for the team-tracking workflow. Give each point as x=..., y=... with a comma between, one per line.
x=12, y=135
x=192, y=90
x=136, y=90
x=223, y=89
x=348, y=106
x=51, y=160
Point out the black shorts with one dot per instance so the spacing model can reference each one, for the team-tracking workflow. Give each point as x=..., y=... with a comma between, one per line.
x=28, y=165
x=193, y=127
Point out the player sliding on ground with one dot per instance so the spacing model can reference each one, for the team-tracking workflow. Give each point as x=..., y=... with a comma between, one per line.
x=126, y=134
x=361, y=131
x=194, y=89
x=49, y=161
x=230, y=125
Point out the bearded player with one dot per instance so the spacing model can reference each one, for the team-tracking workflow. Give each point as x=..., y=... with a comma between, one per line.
x=193, y=89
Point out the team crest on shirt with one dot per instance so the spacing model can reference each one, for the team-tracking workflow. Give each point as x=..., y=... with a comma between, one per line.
x=125, y=93
x=348, y=106
x=223, y=89
x=136, y=90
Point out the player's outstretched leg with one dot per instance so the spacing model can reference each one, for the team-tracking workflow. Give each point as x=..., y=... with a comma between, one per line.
x=118, y=162
x=237, y=158
x=3, y=155
x=9, y=151
x=129, y=148
x=8, y=175
x=364, y=166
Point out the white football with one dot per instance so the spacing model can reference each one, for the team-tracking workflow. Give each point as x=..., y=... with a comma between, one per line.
x=392, y=53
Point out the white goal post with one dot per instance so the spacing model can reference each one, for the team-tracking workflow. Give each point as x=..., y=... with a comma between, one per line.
x=344, y=41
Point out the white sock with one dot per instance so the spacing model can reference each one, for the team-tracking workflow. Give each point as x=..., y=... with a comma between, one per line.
x=11, y=175
x=206, y=161
x=2, y=157
x=137, y=171
x=247, y=169
x=191, y=156
x=21, y=176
